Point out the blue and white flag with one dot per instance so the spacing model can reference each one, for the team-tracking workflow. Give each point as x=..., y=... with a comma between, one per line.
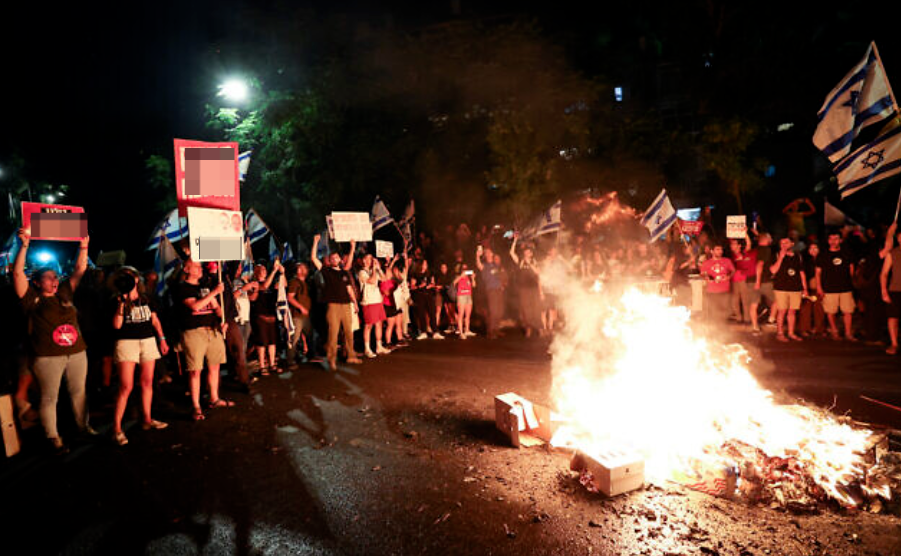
x=380, y=217
x=659, y=216
x=406, y=223
x=282, y=310
x=243, y=164
x=167, y=261
x=862, y=98
x=247, y=262
x=9, y=249
x=274, y=251
x=256, y=228
x=172, y=227
x=877, y=160
x=287, y=253
x=548, y=222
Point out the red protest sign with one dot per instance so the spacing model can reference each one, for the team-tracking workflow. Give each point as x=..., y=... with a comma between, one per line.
x=691, y=227
x=206, y=175
x=55, y=222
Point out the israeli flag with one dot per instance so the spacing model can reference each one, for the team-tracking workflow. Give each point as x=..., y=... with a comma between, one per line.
x=243, y=164
x=172, y=227
x=255, y=226
x=659, y=216
x=380, y=217
x=167, y=260
x=287, y=253
x=551, y=219
x=274, y=251
x=862, y=98
x=247, y=262
x=10, y=249
x=282, y=310
x=877, y=160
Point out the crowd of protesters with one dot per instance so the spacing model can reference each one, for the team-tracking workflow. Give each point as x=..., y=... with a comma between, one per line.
x=453, y=285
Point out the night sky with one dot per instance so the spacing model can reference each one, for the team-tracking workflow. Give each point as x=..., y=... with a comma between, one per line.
x=90, y=91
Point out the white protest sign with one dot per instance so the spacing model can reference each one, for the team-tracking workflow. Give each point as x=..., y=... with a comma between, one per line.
x=736, y=226
x=352, y=226
x=215, y=234
x=384, y=249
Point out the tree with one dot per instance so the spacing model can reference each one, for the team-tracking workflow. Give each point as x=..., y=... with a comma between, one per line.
x=725, y=147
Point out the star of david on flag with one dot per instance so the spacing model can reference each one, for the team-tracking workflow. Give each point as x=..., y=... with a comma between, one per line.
x=172, y=227
x=877, y=160
x=256, y=229
x=659, y=216
x=862, y=98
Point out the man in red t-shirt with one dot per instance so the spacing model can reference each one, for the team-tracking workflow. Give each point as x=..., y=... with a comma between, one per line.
x=718, y=272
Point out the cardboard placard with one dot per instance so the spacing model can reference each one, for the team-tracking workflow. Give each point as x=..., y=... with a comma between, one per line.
x=111, y=258
x=206, y=175
x=215, y=234
x=352, y=226
x=691, y=227
x=55, y=222
x=736, y=226
x=384, y=249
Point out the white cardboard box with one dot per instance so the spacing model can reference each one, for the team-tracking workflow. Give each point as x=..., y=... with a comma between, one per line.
x=525, y=423
x=613, y=471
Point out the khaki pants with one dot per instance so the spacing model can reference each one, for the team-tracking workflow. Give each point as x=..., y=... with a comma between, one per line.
x=339, y=315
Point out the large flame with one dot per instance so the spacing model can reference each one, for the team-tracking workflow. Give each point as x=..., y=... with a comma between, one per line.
x=630, y=371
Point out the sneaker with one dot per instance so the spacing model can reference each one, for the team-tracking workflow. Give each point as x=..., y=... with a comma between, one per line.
x=781, y=338
x=354, y=361
x=437, y=336
x=422, y=336
x=369, y=354
x=88, y=430
x=155, y=425
x=382, y=350
x=470, y=334
x=120, y=438
x=461, y=335
x=755, y=330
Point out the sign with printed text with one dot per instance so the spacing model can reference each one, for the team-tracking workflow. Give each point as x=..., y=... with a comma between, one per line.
x=384, y=249
x=691, y=227
x=352, y=226
x=206, y=175
x=55, y=222
x=736, y=226
x=215, y=234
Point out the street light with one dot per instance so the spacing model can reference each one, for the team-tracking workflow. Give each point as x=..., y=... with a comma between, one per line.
x=235, y=90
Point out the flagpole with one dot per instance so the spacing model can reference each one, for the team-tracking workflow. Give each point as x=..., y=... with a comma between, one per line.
x=898, y=206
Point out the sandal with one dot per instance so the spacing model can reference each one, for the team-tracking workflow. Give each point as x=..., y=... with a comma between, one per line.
x=892, y=350
x=264, y=371
x=221, y=402
x=198, y=415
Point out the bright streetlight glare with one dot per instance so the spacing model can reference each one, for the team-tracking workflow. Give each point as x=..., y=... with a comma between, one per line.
x=44, y=257
x=234, y=90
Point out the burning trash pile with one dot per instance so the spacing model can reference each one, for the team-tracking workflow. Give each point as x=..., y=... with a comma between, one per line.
x=639, y=397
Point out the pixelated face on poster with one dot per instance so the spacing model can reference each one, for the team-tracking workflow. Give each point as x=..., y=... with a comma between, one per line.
x=55, y=222
x=206, y=175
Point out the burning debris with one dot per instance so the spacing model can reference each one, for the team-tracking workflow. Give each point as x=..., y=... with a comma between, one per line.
x=642, y=398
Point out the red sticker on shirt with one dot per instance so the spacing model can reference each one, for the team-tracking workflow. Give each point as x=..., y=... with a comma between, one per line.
x=65, y=335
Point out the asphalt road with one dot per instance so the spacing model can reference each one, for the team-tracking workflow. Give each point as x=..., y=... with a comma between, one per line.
x=399, y=455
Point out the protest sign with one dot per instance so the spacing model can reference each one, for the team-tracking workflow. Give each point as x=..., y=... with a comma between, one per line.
x=691, y=227
x=55, y=222
x=384, y=249
x=736, y=226
x=352, y=226
x=215, y=234
x=111, y=258
x=206, y=175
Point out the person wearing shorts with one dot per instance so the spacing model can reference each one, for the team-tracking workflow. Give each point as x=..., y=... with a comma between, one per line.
x=202, y=339
x=464, y=284
x=789, y=286
x=890, y=280
x=762, y=281
x=834, y=273
x=136, y=328
x=373, y=305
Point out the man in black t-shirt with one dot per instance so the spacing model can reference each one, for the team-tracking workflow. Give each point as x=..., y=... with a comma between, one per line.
x=763, y=280
x=200, y=319
x=834, y=272
x=789, y=286
x=338, y=293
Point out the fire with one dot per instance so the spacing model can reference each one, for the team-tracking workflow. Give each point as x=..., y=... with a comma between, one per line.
x=608, y=210
x=631, y=372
